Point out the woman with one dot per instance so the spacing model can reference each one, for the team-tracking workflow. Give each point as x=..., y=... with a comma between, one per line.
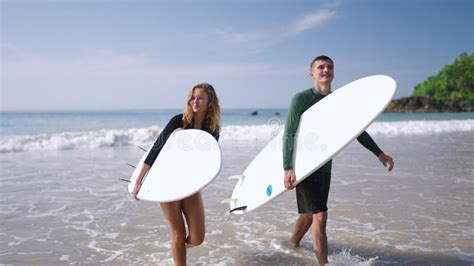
x=202, y=111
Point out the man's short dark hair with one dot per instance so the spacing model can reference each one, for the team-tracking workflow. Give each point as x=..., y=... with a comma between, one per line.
x=322, y=58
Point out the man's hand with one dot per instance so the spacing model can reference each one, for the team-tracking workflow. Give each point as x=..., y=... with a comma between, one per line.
x=386, y=160
x=289, y=179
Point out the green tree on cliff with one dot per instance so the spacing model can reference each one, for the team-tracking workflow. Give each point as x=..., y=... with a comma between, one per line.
x=454, y=82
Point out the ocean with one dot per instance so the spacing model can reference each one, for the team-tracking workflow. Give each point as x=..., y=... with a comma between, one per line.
x=62, y=202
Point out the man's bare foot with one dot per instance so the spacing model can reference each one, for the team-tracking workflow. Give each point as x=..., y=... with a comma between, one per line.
x=294, y=244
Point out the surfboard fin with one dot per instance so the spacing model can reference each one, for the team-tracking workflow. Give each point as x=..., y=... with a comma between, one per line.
x=229, y=200
x=238, y=177
x=141, y=148
x=238, y=210
x=133, y=166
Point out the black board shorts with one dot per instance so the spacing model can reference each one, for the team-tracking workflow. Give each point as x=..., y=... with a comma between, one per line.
x=312, y=193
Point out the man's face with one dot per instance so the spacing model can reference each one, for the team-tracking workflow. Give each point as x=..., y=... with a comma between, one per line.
x=322, y=71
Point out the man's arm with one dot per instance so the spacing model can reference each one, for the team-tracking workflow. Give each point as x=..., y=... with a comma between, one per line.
x=366, y=140
x=291, y=125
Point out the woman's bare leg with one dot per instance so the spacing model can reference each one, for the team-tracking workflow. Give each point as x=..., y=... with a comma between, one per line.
x=193, y=210
x=172, y=212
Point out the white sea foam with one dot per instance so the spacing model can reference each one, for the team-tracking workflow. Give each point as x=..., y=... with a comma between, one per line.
x=78, y=140
x=421, y=127
x=346, y=258
x=236, y=136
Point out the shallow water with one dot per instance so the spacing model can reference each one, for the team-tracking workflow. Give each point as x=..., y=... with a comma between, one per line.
x=67, y=206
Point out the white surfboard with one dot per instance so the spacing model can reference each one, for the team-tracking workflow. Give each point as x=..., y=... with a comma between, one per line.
x=189, y=160
x=325, y=129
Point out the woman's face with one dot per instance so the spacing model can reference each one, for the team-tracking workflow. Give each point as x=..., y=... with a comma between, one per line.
x=199, y=101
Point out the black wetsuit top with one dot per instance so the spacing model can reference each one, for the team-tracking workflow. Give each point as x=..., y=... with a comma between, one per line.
x=174, y=123
x=301, y=102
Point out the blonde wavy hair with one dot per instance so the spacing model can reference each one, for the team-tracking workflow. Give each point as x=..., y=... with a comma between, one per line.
x=213, y=117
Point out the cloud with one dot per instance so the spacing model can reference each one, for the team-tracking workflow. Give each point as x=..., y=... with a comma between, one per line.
x=270, y=35
x=312, y=20
x=9, y=51
x=233, y=36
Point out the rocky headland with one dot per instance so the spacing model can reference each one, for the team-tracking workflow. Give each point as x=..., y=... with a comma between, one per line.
x=426, y=104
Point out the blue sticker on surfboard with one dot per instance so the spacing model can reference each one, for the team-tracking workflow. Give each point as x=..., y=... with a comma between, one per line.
x=269, y=190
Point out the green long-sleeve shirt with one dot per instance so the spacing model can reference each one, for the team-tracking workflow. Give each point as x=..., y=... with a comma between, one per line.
x=301, y=102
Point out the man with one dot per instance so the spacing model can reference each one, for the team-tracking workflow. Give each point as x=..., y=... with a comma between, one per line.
x=312, y=193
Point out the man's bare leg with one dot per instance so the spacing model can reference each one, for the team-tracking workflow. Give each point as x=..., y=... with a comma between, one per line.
x=302, y=225
x=320, y=240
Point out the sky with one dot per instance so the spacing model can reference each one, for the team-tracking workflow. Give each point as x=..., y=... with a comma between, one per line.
x=124, y=54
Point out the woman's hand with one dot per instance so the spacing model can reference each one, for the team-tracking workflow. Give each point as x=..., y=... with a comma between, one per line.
x=178, y=129
x=139, y=181
x=136, y=189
